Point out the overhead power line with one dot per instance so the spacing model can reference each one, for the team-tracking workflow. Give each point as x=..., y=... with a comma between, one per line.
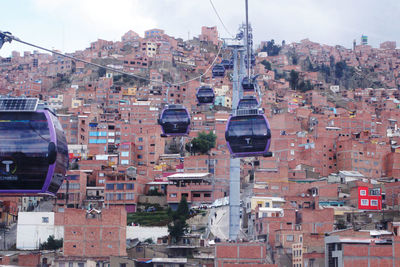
x=7, y=36
x=223, y=24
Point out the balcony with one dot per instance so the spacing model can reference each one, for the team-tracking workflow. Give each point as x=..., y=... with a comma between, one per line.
x=97, y=198
x=191, y=187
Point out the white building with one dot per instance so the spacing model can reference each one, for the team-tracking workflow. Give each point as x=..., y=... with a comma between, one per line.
x=34, y=228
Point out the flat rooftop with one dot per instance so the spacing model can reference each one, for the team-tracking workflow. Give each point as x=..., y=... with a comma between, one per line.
x=189, y=176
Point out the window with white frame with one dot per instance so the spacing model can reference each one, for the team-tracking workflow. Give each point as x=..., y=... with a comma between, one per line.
x=363, y=192
x=374, y=202
x=364, y=202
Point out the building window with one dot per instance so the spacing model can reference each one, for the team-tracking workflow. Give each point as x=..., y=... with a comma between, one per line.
x=374, y=202
x=110, y=186
x=196, y=195
x=363, y=192
x=120, y=186
x=289, y=238
x=364, y=202
x=45, y=219
x=172, y=195
x=207, y=195
x=375, y=192
x=81, y=264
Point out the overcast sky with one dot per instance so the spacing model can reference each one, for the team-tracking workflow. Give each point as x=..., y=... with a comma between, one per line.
x=70, y=25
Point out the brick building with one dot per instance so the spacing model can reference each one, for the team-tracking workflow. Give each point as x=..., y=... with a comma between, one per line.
x=371, y=248
x=241, y=254
x=197, y=188
x=93, y=233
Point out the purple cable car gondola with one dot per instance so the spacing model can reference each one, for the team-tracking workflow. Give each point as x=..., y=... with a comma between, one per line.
x=228, y=64
x=252, y=60
x=248, y=84
x=248, y=102
x=218, y=71
x=33, y=148
x=205, y=95
x=174, y=121
x=248, y=134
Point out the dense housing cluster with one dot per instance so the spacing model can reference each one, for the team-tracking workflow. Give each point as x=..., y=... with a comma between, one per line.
x=329, y=196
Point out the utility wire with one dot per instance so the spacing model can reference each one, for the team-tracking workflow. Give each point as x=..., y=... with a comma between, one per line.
x=207, y=70
x=11, y=37
x=216, y=12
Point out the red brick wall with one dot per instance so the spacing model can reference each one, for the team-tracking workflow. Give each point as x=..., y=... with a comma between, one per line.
x=317, y=221
x=101, y=236
x=377, y=255
x=28, y=259
x=241, y=254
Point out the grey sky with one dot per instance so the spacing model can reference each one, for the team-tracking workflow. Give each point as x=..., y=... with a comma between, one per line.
x=70, y=25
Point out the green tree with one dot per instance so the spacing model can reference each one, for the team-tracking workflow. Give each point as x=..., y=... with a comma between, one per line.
x=183, y=209
x=202, y=143
x=271, y=48
x=267, y=64
x=305, y=86
x=52, y=243
x=178, y=226
x=177, y=229
x=101, y=72
x=340, y=68
x=294, y=79
x=149, y=241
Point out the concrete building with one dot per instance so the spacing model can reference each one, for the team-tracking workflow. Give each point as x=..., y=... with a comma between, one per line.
x=34, y=228
x=370, y=248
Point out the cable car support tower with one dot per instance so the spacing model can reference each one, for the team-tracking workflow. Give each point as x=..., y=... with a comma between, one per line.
x=239, y=47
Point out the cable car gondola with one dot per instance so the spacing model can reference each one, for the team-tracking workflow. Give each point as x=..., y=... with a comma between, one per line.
x=33, y=148
x=228, y=64
x=248, y=134
x=205, y=95
x=248, y=102
x=174, y=121
x=218, y=71
x=248, y=84
x=252, y=60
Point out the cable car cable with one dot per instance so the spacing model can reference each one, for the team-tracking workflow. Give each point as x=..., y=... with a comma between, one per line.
x=247, y=38
x=215, y=10
x=9, y=37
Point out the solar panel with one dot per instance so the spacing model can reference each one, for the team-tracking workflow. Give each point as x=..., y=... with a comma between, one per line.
x=247, y=112
x=18, y=104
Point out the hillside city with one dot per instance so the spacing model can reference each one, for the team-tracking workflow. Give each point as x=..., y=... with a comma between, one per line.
x=329, y=195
